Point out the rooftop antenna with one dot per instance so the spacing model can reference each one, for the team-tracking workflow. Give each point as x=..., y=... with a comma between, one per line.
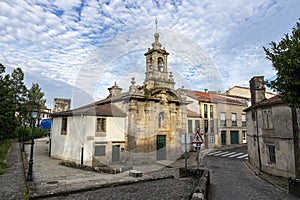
x=156, y=24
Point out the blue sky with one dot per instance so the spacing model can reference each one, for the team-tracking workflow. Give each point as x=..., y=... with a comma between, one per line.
x=77, y=49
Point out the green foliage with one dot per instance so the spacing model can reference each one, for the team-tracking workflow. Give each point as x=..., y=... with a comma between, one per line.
x=25, y=133
x=285, y=57
x=4, y=147
x=16, y=102
x=7, y=107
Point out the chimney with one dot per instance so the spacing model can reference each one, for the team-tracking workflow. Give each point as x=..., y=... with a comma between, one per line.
x=114, y=91
x=60, y=105
x=206, y=90
x=257, y=89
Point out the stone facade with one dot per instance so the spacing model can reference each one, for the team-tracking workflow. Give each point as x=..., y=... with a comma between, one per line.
x=270, y=134
x=61, y=104
x=156, y=111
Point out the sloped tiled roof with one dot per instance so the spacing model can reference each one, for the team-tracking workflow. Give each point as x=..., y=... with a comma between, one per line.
x=104, y=107
x=245, y=88
x=212, y=97
x=267, y=102
x=192, y=114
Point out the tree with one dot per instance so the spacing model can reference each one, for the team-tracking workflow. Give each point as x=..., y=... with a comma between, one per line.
x=36, y=97
x=7, y=107
x=16, y=102
x=20, y=93
x=285, y=58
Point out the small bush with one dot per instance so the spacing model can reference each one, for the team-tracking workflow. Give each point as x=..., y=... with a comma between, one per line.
x=38, y=132
x=4, y=147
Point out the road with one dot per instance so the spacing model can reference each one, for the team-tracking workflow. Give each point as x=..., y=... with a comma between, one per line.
x=230, y=179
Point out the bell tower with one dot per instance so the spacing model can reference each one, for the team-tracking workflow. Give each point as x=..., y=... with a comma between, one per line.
x=157, y=66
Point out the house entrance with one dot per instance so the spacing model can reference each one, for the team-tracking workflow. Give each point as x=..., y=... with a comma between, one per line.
x=116, y=153
x=161, y=147
x=223, y=137
x=234, y=137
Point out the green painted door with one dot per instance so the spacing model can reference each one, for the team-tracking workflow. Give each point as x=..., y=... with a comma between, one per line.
x=116, y=153
x=223, y=137
x=161, y=147
x=234, y=137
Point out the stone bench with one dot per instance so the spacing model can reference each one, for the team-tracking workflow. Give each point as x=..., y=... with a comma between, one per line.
x=135, y=173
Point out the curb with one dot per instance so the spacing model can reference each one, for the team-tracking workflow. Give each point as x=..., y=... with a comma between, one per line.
x=259, y=174
x=91, y=188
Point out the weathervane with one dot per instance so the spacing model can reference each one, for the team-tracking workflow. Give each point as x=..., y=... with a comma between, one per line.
x=156, y=24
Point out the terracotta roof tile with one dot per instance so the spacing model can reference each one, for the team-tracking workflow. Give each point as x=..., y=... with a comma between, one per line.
x=212, y=97
x=104, y=107
x=267, y=102
x=192, y=114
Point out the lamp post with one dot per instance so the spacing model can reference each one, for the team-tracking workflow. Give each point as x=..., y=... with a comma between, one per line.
x=23, y=134
x=34, y=115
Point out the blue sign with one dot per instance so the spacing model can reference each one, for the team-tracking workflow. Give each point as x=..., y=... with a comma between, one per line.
x=45, y=124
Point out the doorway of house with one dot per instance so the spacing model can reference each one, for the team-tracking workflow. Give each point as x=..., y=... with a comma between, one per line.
x=234, y=137
x=161, y=147
x=223, y=137
x=115, y=153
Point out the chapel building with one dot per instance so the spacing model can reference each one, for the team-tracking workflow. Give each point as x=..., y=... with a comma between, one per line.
x=141, y=126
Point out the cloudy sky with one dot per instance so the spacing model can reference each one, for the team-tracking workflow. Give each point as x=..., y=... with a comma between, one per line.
x=78, y=48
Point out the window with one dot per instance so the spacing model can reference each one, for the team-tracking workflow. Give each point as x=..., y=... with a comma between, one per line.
x=244, y=122
x=99, y=150
x=190, y=126
x=271, y=154
x=211, y=111
x=64, y=123
x=101, y=127
x=212, y=127
x=197, y=125
x=267, y=119
x=161, y=120
x=212, y=138
x=160, y=64
x=205, y=110
x=244, y=135
x=223, y=119
x=205, y=126
x=233, y=119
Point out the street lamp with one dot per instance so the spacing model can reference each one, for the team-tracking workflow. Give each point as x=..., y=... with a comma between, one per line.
x=23, y=134
x=34, y=115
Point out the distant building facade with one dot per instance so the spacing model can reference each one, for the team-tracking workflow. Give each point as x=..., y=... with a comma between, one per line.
x=221, y=118
x=61, y=104
x=244, y=92
x=270, y=133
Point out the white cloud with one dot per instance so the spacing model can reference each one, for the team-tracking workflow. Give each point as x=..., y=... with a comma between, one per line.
x=55, y=40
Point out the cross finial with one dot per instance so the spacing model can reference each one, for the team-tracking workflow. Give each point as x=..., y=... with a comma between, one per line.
x=156, y=24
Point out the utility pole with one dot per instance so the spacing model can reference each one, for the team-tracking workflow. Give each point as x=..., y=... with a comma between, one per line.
x=296, y=142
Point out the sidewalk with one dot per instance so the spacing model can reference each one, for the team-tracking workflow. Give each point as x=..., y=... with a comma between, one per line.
x=12, y=181
x=279, y=182
x=51, y=179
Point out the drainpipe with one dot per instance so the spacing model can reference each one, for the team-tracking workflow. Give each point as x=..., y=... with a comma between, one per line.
x=258, y=144
x=81, y=156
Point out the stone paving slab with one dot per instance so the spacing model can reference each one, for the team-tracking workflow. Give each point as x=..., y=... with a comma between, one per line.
x=51, y=179
x=12, y=181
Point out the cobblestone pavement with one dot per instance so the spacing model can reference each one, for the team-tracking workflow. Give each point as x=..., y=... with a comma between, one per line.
x=232, y=179
x=12, y=181
x=160, y=189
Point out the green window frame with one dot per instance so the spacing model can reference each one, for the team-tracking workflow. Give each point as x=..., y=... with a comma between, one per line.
x=100, y=150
